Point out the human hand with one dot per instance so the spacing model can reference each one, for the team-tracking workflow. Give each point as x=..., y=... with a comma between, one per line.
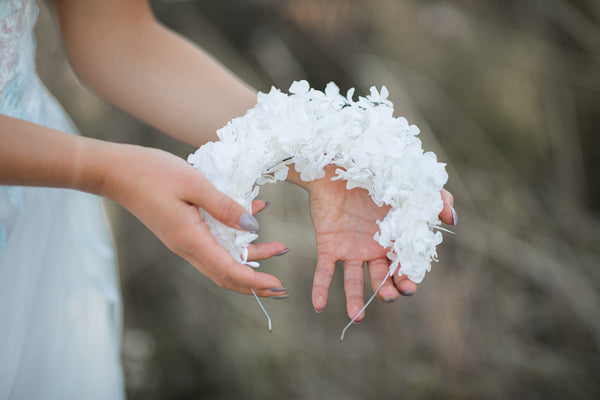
x=345, y=222
x=164, y=193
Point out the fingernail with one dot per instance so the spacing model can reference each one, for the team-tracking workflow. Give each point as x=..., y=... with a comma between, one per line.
x=287, y=250
x=408, y=293
x=357, y=322
x=454, y=217
x=318, y=311
x=278, y=289
x=283, y=296
x=267, y=203
x=249, y=223
x=389, y=299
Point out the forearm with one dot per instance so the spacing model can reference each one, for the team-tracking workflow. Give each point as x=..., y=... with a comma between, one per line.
x=35, y=155
x=126, y=56
x=154, y=74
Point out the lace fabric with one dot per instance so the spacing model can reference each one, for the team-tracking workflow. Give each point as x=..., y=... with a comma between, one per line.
x=14, y=16
x=60, y=308
x=17, y=53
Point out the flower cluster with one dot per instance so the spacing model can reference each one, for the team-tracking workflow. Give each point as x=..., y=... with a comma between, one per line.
x=312, y=129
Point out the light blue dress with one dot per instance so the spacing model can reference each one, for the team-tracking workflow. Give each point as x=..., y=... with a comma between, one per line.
x=60, y=310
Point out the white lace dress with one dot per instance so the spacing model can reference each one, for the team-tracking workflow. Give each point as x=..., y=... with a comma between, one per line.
x=60, y=311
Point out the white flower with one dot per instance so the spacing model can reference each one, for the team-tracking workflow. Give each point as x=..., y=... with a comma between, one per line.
x=312, y=129
x=299, y=87
x=379, y=97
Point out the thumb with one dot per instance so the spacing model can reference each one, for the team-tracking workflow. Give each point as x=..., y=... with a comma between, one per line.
x=224, y=208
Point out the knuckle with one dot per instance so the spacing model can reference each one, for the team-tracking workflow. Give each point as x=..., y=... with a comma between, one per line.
x=324, y=272
x=183, y=244
x=220, y=282
x=223, y=280
x=354, y=281
x=226, y=208
x=175, y=246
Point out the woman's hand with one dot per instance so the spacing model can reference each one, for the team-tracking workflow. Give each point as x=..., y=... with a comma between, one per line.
x=164, y=192
x=345, y=222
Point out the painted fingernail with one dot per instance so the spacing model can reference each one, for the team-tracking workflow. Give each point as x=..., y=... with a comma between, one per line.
x=318, y=311
x=408, y=293
x=454, y=217
x=278, y=289
x=287, y=250
x=283, y=296
x=389, y=299
x=249, y=223
x=357, y=322
x=267, y=203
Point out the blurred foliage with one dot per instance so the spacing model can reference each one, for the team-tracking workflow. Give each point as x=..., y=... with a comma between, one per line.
x=507, y=93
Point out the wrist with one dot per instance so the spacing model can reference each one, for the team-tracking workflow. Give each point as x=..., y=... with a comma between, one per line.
x=98, y=162
x=294, y=177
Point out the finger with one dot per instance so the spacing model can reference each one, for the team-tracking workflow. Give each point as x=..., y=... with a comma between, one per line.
x=222, y=207
x=217, y=263
x=258, y=206
x=378, y=270
x=322, y=281
x=405, y=286
x=262, y=251
x=448, y=214
x=354, y=286
x=241, y=278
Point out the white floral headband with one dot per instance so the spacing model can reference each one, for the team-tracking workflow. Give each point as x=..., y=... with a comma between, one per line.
x=312, y=129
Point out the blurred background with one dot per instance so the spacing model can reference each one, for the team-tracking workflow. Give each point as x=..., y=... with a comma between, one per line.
x=507, y=93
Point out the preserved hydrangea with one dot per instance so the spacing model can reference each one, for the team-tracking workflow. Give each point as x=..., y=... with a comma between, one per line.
x=312, y=129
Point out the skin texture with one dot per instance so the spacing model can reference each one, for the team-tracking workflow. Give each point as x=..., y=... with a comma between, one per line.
x=345, y=222
x=120, y=50
x=161, y=190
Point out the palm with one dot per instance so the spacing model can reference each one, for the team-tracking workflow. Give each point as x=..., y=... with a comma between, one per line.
x=345, y=222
